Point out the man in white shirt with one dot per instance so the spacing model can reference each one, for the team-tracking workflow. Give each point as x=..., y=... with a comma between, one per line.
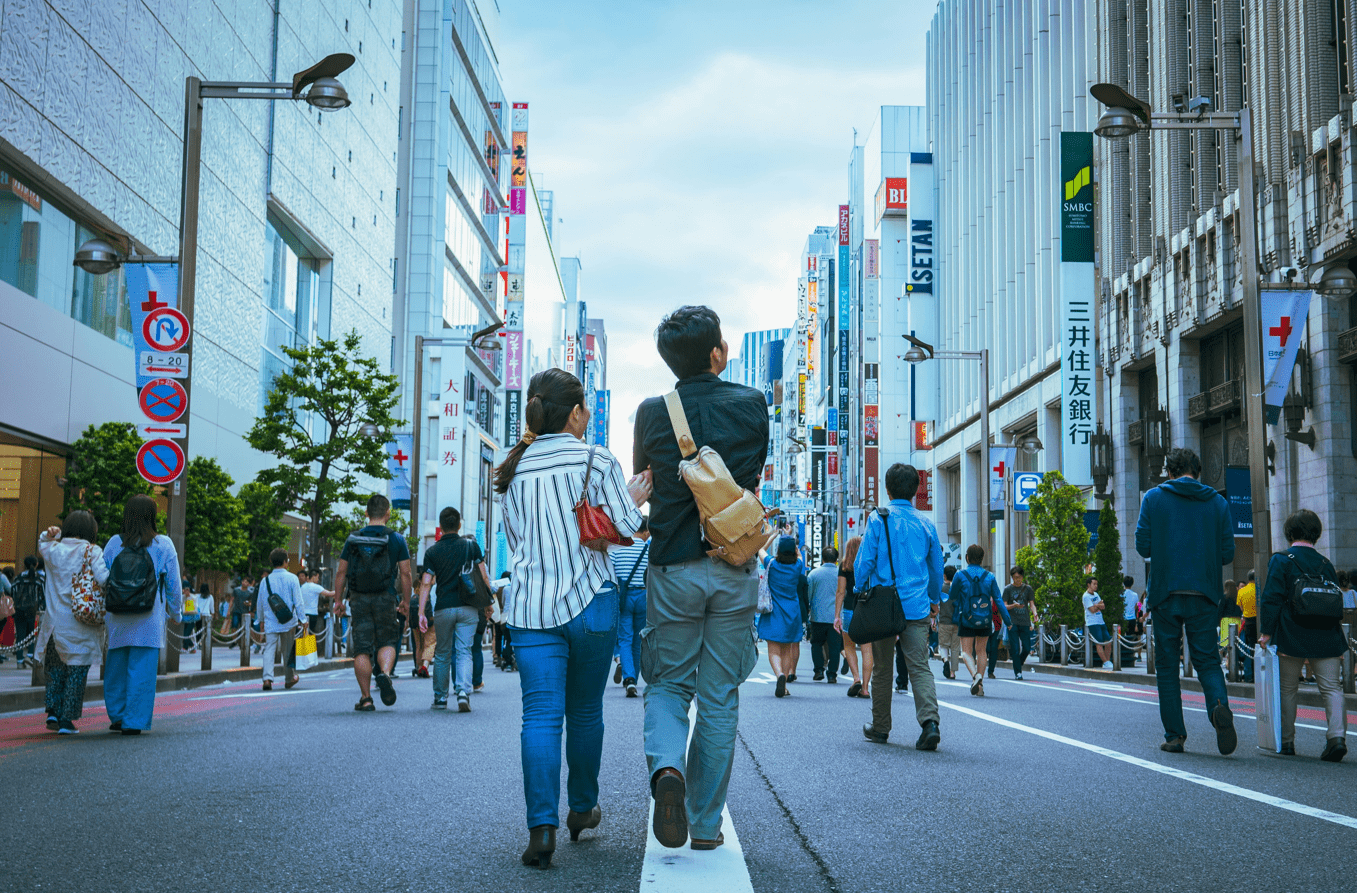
x=279, y=634
x=312, y=593
x=1098, y=633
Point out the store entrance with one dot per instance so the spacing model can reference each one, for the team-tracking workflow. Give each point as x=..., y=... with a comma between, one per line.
x=31, y=495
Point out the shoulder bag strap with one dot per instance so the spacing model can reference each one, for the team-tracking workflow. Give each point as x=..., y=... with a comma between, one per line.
x=588, y=472
x=885, y=522
x=682, y=433
x=637, y=565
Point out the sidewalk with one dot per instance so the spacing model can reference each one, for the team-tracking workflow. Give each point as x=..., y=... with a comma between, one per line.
x=17, y=691
x=1308, y=697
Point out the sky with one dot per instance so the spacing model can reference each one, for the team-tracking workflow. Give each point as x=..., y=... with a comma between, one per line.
x=693, y=146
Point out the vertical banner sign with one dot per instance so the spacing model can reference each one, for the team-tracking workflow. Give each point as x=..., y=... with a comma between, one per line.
x=1239, y=496
x=452, y=397
x=602, y=403
x=398, y=461
x=845, y=303
x=490, y=205
x=1283, y=315
x=514, y=280
x=1001, y=461
x=1078, y=351
x=923, y=498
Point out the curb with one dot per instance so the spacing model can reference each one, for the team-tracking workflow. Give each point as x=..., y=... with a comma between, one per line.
x=1241, y=690
x=35, y=698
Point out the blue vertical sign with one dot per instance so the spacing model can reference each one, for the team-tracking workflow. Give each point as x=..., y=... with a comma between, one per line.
x=602, y=403
x=158, y=329
x=1239, y=496
x=398, y=461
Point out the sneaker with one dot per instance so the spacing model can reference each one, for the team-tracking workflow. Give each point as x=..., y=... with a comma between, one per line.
x=617, y=674
x=818, y=677
x=1173, y=745
x=478, y=688
x=1107, y=665
x=268, y=685
x=631, y=689
x=991, y=674
x=65, y=727
x=946, y=670
x=463, y=703
x=52, y=724
x=832, y=680
x=976, y=685
x=439, y=704
x=1017, y=676
x=901, y=689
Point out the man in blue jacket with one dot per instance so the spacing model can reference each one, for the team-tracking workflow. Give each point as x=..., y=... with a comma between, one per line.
x=1186, y=534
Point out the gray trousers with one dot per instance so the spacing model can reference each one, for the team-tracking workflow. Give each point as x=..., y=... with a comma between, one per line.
x=698, y=642
x=914, y=645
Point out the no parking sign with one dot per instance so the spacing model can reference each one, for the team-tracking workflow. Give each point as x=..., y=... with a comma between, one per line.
x=160, y=461
x=163, y=400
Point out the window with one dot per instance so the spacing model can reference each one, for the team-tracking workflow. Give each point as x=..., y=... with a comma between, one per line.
x=297, y=298
x=38, y=241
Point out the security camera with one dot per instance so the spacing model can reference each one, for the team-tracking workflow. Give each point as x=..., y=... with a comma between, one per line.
x=1198, y=104
x=1289, y=274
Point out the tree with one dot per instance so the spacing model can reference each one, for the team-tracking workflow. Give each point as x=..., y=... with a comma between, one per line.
x=263, y=531
x=1056, y=519
x=214, y=523
x=338, y=528
x=1107, y=565
x=312, y=422
x=102, y=474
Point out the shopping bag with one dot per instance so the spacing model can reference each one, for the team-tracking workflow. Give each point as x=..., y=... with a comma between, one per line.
x=306, y=652
x=1267, y=695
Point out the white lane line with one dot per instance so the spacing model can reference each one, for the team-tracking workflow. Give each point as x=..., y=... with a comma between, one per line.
x=1155, y=703
x=685, y=870
x=264, y=694
x=1224, y=787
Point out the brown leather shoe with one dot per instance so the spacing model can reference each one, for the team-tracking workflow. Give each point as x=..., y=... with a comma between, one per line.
x=292, y=680
x=709, y=844
x=576, y=822
x=268, y=685
x=671, y=808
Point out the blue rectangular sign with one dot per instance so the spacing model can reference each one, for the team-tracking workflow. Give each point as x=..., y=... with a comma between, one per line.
x=602, y=402
x=153, y=293
x=1239, y=495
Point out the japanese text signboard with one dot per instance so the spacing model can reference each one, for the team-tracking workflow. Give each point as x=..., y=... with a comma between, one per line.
x=1078, y=351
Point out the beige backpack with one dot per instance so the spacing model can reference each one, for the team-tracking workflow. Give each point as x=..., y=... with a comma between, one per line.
x=733, y=519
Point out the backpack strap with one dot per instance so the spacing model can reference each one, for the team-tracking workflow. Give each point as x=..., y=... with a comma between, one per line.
x=634, y=567
x=679, y=419
x=885, y=523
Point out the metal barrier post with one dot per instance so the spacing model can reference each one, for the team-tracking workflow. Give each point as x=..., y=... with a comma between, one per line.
x=207, y=643
x=1232, y=659
x=1116, y=647
x=1088, y=649
x=171, y=654
x=1149, y=649
x=1064, y=645
x=1041, y=644
x=245, y=641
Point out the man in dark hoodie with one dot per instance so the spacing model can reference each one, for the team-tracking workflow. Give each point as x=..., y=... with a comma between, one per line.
x=1185, y=591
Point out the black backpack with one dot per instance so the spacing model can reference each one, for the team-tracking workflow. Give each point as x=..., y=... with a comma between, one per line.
x=27, y=592
x=1313, y=598
x=132, y=585
x=370, y=565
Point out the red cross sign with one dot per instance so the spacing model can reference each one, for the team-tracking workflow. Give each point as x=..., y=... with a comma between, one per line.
x=400, y=457
x=999, y=469
x=1282, y=331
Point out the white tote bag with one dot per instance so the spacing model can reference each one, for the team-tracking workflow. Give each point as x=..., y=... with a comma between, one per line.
x=1268, y=698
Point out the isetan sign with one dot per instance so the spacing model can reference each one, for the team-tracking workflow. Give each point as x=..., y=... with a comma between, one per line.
x=892, y=198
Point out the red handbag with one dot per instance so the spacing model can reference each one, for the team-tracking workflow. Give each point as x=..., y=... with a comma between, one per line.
x=597, y=530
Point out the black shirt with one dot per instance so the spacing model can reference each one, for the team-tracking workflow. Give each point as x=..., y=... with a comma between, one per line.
x=446, y=559
x=850, y=596
x=397, y=550
x=1016, y=599
x=731, y=419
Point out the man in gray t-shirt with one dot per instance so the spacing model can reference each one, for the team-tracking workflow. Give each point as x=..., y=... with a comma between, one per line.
x=825, y=643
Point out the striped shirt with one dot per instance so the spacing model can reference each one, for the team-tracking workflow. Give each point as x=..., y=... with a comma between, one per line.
x=631, y=562
x=552, y=578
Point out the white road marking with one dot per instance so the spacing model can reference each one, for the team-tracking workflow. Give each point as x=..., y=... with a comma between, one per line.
x=767, y=678
x=685, y=870
x=264, y=694
x=1224, y=787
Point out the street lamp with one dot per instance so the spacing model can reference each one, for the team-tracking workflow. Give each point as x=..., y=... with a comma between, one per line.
x=1337, y=282
x=921, y=351
x=1127, y=115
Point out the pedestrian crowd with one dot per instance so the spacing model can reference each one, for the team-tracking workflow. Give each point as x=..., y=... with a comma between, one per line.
x=678, y=601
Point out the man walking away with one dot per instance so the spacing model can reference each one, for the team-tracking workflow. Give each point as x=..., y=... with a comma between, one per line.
x=949, y=646
x=1185, y=590
x=454, y=621
x=699, y=609
x=913, y=565
x=1248, y=608
x=369, y=566
x=27, y=592
x=825, y=643
x=280, y=594
x=630, y=565
x=241, y=605
x=1022, y=608
x=1099, y=636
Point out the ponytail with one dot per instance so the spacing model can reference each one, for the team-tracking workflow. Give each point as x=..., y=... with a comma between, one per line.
x=552, y=395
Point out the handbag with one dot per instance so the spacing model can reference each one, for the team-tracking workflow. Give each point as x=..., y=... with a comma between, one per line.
x=6, y=607
x=879, y=614
x=597, y=530
x=1313, y=598
x=279, y=607
x=765, y=605
x=87, y=596
x=306, y=652
x=475, y=594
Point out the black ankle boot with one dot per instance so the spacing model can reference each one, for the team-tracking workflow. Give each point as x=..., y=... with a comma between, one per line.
x=541, y=844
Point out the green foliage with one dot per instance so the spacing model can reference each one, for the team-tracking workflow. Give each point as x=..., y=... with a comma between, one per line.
x=262, y=529
x=102, y=474
x=338, y=391
x=1107, y=565
x=1056, y=520
x=214, y=525
x=337, y=529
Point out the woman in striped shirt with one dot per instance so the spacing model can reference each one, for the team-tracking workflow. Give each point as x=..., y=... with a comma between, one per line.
x=561, y=600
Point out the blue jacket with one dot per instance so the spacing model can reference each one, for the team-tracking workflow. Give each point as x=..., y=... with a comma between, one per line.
x=1186, y=534
x=917, y=554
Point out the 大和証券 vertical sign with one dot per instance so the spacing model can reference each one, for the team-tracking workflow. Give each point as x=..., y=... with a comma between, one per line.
x=1078, y=356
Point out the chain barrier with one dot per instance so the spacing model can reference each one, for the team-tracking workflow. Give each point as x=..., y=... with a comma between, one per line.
x=1243, y=648
x=18, y=646
x=1129, y=642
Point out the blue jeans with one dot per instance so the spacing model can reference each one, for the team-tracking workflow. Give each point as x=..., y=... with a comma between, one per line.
x=478, y=651
x=453, y=628
x=129, y=685
x=563, y=672
x=1200, y=618
x=629, y=626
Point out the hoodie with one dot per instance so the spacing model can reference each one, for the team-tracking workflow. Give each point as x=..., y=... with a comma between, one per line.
x=1186, y=534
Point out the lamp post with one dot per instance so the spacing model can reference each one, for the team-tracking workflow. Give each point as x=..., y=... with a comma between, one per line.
x=920, y=351
x=97, y=256
x=1127, y=115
